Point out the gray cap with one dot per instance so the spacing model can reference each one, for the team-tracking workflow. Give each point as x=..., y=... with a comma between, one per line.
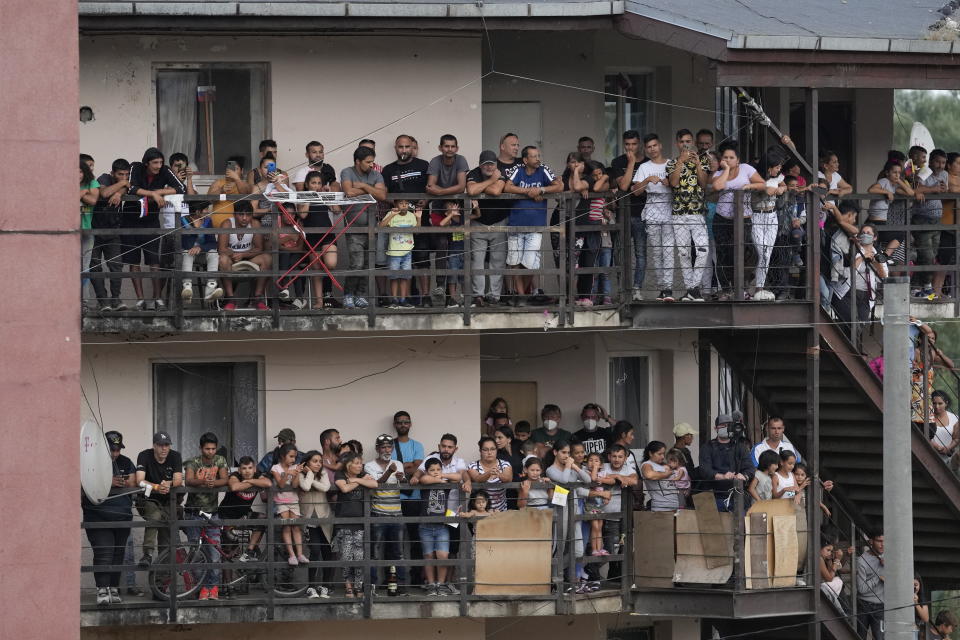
x=488, y=157
x=723, y=418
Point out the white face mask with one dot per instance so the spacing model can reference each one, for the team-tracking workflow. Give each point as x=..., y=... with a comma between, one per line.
x=722, y=433
x=549, y=425
x=590, y=424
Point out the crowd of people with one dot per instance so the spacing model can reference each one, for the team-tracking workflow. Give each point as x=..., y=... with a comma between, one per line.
x=516, y=467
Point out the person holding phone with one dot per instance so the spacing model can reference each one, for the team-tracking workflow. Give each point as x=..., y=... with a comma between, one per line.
x=231, y=184
x=180, y=165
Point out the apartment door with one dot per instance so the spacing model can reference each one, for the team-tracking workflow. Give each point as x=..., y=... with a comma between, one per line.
x=521, y=397
x=521, y=118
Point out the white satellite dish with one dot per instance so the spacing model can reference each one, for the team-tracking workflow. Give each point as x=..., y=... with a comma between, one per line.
x=920, y=137
x=96, y=466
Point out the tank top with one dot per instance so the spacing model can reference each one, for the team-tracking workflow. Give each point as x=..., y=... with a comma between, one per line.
x=786, y=483
x=240, y=243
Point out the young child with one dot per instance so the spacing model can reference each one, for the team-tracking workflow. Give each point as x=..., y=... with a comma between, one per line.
x=795, y=211
x=594, y=504
x=286, y=474
x=528, y=450
x=783, y=481
x=761, y=485
x=477, y=507
x=453, y=255
x=801, y=474
x=400, y=250
x=681, y=477
x=434, y=536
x=535, y=498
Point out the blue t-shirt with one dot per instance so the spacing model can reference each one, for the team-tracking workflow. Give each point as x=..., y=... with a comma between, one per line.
x=527, y=212
x=410, y=450
x=206, y=241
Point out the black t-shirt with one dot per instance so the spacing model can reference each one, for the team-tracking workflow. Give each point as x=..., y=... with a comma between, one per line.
x=141, y=178
x=236, y=504
x=506, y=167
x=350, y=504
x=157, y=472
x=595, y=441
x=318, y=215
x=114, y=508
x=435, y=500
x=407, y=178
x=492, y=210
x=617, y=168
x=105, y=216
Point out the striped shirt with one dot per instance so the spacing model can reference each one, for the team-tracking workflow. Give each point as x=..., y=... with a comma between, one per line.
x=385, y=503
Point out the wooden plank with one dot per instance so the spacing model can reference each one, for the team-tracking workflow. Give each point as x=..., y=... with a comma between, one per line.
x=513, y=553
x=774, y=507
x=802, y=531
x=653, y=549
x=785, y=555
x=756, y=563
x=691, y=566
x=714, y=538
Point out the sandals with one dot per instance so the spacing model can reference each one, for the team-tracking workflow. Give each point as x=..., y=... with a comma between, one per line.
x=348, y=591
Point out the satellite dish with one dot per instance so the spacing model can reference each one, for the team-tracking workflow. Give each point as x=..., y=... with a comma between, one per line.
x=96, y=466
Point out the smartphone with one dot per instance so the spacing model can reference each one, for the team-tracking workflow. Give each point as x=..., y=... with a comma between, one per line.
x=232, y=166
x=271, y=167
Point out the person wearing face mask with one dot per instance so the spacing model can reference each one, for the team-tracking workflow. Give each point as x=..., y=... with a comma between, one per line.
x=596, y=433
x=550, y=432
x=722, y=461
x=869, y=273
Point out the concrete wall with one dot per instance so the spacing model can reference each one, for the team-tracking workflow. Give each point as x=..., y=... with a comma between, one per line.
x=40, y=351
x=335, y=89
x=581, y=60
x=438, y=383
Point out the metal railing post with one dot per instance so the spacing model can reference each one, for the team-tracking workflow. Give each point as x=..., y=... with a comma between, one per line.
x=275, y=251
x=172, y=544
x=562, y=259
x=854, y=559
x=178, y=273
x=367, y=550
x=465, y=564
x=371, y=264
x=568, y=222
x=466, y=273
x=739, y=534
x=627, y=577
x=269, y=556
x=738, y=246
x=813, y=251
x=571, y=539
x=626, y=273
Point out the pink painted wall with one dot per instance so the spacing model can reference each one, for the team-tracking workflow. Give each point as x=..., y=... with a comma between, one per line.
x=39, y=322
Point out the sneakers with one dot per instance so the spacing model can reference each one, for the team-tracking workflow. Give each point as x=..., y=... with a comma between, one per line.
x=284, y=294
x=136, y=591
x=145, y=561
x=204, y=594
x=607, y=300
x=302, y=559
x=115, y=596
x=432, y=589
x=665, y=295
x=450, y=589
x=230, y=306
x=212, y=292
x=141, y=305
x=405, y=304
x=437, y=296
x=637, y=294
x=594, y=585
x=262, y=306
x=249, y=555
x=118, y=304
x=214, y=593
x=312, y=593
x=764, y=296
x=476, y=302
x=103, y=596
x=584, y=302
x=692, y=295
x=186, y=294
x=348, y=302
x=583, y=587
x=452, y=303
x=299, y=304
x=393, y=304
x=104, y=307
x=292, y=561
x=160, y=305
x=361, y=302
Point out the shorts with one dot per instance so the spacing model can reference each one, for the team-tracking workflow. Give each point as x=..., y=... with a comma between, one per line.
x=524, y=249
x=383, y=239
x=398, y=263
x=135, y=248
x=455, y=261
x=293, y=507
x=434, y=537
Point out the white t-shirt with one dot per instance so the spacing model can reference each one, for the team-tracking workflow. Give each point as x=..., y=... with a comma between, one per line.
x=944, y=435
x=659, y=207
x=760, y=447
x=456, y=465
x=726, y=202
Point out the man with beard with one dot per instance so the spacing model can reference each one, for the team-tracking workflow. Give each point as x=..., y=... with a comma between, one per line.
x=488, y=212
x=409, y=175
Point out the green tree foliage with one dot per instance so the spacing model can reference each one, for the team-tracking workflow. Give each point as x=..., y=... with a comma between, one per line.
x=939, y=111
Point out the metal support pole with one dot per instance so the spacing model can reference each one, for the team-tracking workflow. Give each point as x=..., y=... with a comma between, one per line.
x=568, y=221
x=705, y=382
x=739, y=583
x=813, y=459
x=367, y=548
x=172, y=544
x=738, y=245
x=854, y=559
x=811, y=117
x=897, y=468
x=268, y=553
x=372, y=297
x=466, y=286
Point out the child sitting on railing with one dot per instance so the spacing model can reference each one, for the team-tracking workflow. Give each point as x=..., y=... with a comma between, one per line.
x=286, y=474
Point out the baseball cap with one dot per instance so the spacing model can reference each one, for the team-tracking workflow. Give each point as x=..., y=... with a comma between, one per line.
x=162, y=437
x=287, y=435
x=114, y=439
x=683, y=429
x=723, y=418
x=384, y=439
x=487, y=157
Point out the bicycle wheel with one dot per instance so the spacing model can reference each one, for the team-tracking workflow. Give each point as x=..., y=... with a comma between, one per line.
x=186, y=578
x=288, y=582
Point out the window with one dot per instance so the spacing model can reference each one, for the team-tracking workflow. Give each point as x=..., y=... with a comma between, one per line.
x=211, y=112
x=191, y=398
x=627, y=111
x=629, y=386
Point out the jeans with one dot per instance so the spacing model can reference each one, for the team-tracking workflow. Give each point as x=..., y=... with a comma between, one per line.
x=357, y=245
x=496, y=245
x=661, y=252
x=108, y=546
x=870, y=614
x=212, y=579
x=387, y=544
x=723, y=238
x=604, y=259
x=587, y=259
x=638, y=237
x=435, y=537
x=107, y=249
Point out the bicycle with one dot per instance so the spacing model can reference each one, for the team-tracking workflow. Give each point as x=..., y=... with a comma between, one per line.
x=288, y=582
